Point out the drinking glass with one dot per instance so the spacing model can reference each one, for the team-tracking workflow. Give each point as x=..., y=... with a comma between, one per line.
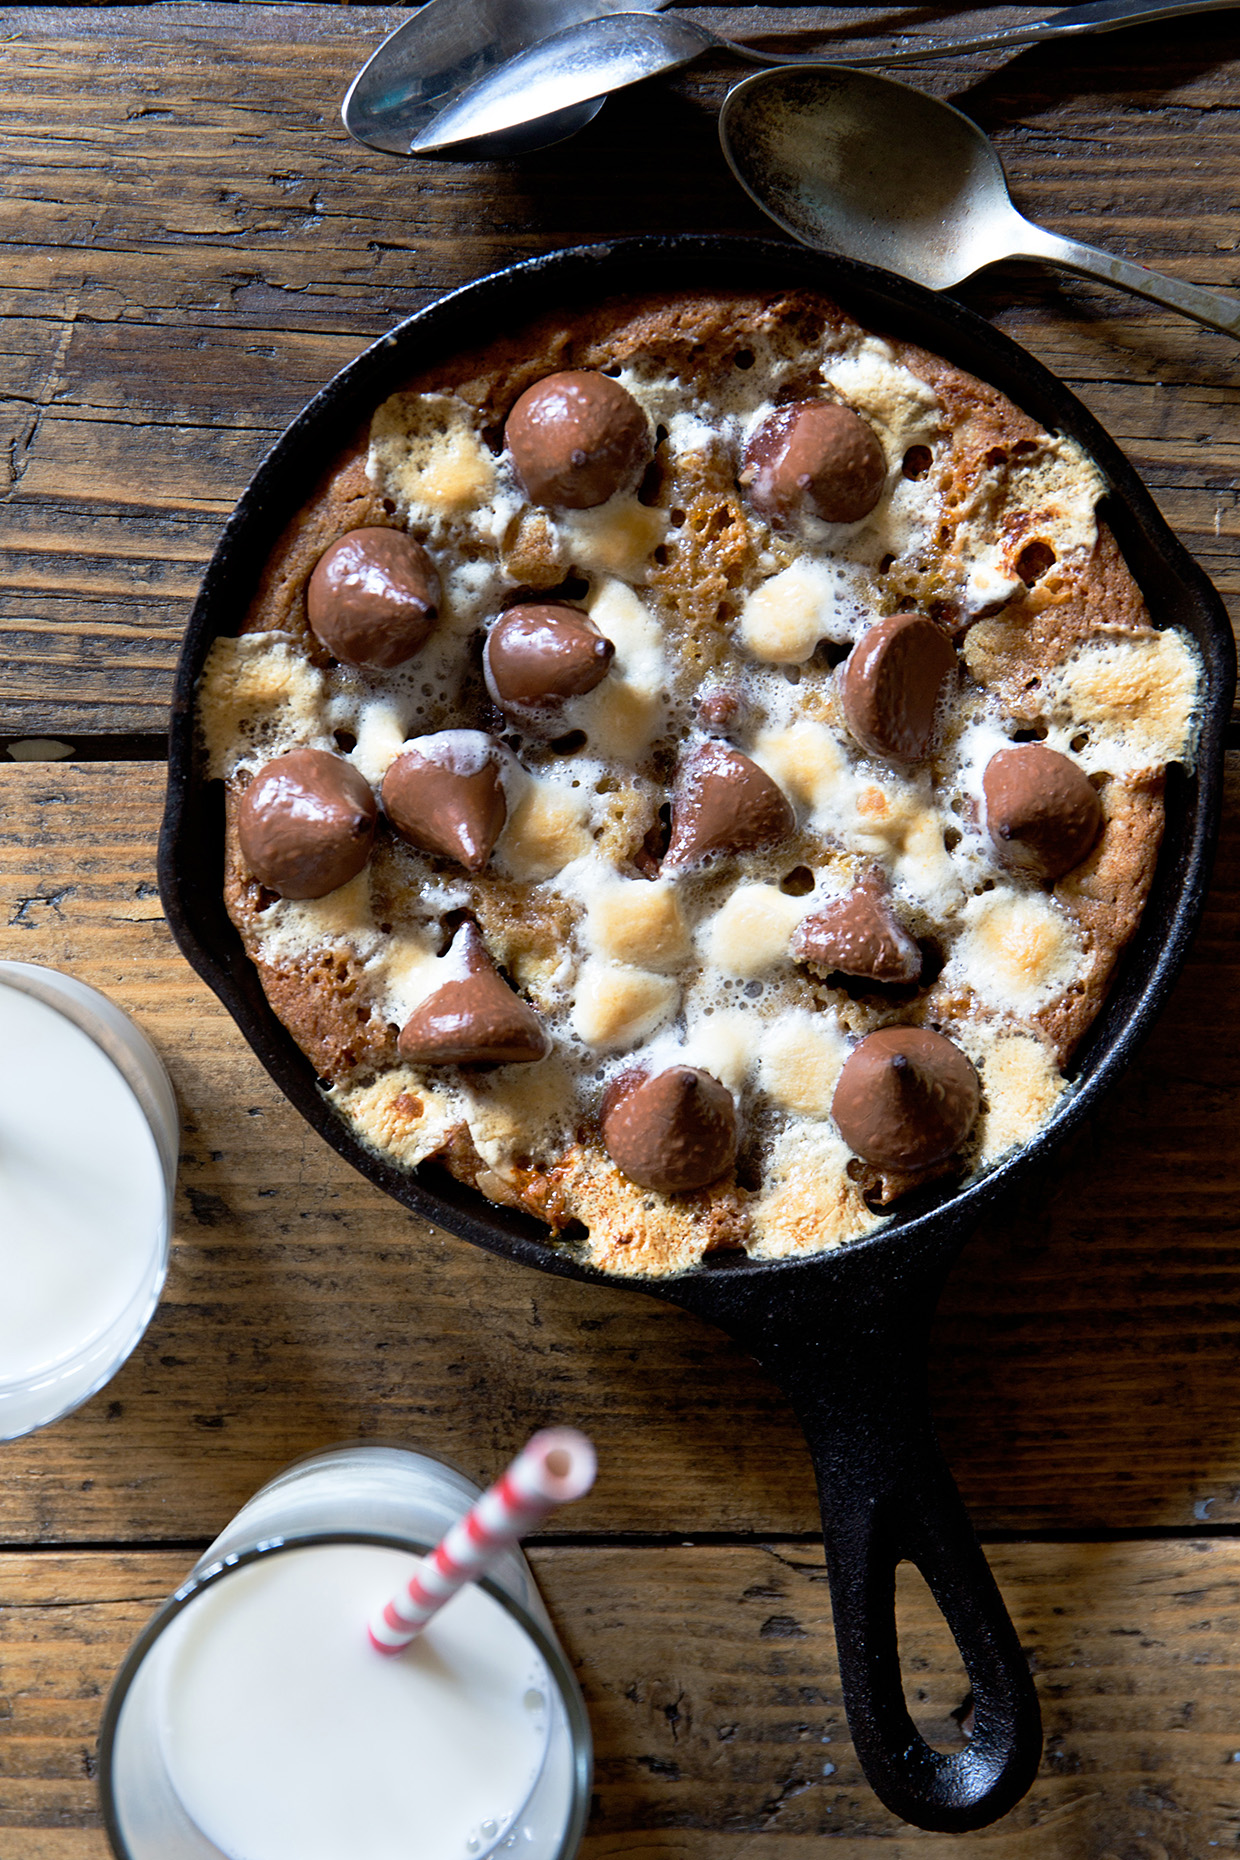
x=363, y=1495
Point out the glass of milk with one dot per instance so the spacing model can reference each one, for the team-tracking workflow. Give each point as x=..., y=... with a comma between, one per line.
x=88, y=1156
x=253, y=1719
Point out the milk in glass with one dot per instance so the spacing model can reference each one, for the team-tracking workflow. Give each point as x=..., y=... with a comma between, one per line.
x=85, y=1177
x=287, y=1737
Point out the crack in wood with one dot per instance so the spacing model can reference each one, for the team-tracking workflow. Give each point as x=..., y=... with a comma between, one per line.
x=50, y=900
x=19, y=459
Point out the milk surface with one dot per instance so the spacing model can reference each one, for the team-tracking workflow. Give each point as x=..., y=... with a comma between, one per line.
x=287, y=1737
x=82, y=1191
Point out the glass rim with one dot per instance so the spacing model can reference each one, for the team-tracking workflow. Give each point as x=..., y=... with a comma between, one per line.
x=47, y=1374
x=562, y=1675
x=387, y=1443
x=53, y=989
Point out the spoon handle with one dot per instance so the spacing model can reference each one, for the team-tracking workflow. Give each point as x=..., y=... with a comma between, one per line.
x=1070, y=22
x=1209, y=307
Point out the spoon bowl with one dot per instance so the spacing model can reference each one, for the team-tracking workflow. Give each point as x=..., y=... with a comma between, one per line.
x=850, y=162
x=446, y=46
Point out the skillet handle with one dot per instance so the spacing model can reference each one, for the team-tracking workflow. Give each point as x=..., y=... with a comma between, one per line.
x=851, y=1359
x=887, y=1497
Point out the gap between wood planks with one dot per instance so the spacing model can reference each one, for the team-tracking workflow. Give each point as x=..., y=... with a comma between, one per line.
x=684, y=1540
x=29, y=747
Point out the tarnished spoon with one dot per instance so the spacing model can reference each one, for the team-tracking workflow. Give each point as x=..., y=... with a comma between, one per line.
x=853, y=163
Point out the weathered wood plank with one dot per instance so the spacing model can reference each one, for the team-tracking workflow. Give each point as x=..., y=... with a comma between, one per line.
x=713, y=1692
x=1085, y=1362
x=193, y=245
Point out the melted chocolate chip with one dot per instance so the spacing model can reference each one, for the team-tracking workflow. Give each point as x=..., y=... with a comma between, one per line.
x=906, y=1099
x=718, y=708
x=576, y=439
x=859, y=934
x=814, y=456
x=474, y=1020
x=539, y=654
x=305, y=823
x=372, y=598
x=892, y=684
x=1041, y=812
x=724, y=803
x=673, y=1131
x=445, y=794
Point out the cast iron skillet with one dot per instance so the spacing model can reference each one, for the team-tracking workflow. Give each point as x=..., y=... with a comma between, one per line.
x=843, y=1333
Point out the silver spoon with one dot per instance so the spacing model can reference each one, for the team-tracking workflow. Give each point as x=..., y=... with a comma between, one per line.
x=595, y=56
x=849, y=162
x=448, y=44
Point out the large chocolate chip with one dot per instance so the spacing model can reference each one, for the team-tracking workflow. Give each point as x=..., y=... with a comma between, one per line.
x=372, y=598
x=1041, y=812
x=906, y=1099
x=859, y=934
x=724, y=803
x=474, y=1020
x=538, y=655
x=576, y=439
x=445, y=794
x=673, y=1131
x=305, y=823
x=892, y=683
x=814, y=456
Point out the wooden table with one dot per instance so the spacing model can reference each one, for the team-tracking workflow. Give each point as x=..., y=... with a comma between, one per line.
x=191, y=247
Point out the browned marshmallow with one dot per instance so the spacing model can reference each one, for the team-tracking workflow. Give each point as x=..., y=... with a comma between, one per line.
x=445, y=794
x=474, y=1020
x=673, y=1131
x=538, y=655
x=1041, y=812
x=305, y=823
x=859, y=934
x=906, y=1099
x=724, y=803
x=817, y=457
x=576, y=439
x=892, y=683
x=372, y=598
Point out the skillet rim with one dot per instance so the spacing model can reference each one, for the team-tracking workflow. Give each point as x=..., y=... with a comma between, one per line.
x=1176, y=589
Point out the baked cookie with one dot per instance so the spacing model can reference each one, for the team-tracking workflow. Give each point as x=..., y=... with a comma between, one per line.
x=692, y=769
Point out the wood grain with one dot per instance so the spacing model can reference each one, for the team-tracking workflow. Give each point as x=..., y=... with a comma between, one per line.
x=184, y=271
x=711, y=1682
x=1085, y=1366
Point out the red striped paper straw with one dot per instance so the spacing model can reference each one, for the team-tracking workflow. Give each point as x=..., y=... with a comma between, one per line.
x=555, y=1467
